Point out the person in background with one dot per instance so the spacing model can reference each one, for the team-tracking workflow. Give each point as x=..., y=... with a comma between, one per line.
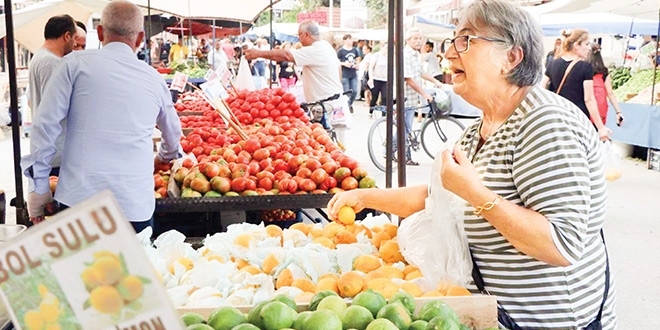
x=431, y=61
x=144, y=53
x=577, y=75
x=378, y=78
x=349, y=58
x=413, y=75
x=530, y=172
x=603, y=86
x=260, y=63
x=81, y=36
x=178, y=51
x=203, y=51
x=59, y=33
x=287, y=72
x=363, y=74
x=112, y=102
x=164, y=51
x=554, y=53
x=218, y=57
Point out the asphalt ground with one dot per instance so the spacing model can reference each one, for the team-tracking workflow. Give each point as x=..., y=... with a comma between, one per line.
x=632, y=228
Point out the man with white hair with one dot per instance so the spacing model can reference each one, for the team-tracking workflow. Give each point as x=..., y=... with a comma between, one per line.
x=112, y=102
x=81, y=36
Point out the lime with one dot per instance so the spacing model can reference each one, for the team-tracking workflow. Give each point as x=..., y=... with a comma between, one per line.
x=322, y=319
x=356, y=317
x=335, y=304
x=288, y=301
x=253, y=316
x=225, y=318
x=246, y=326
x=396, y=313
x=418, y=325
x=442, y=323
x=276, y=315
x=406, y=299
x=199, y=326
x=191, y=318
x=371, y=300
x=300, y=319
x=318, y=297
x=382, y=324
x=436, y=308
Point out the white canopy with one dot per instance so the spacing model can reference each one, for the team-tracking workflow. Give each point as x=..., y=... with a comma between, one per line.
x=645, y=9
x=242, y=11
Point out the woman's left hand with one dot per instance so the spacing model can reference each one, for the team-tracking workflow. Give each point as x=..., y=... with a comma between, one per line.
x=604, y=133
x=458, y=174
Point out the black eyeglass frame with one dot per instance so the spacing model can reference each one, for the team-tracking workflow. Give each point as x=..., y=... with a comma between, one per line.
x=467, y=37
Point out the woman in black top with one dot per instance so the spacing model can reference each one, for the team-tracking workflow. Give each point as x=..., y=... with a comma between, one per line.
x=578, y=84
x=287, y=75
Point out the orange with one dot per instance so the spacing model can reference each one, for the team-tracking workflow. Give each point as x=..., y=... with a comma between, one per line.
x=316, y=232
x=391, y=271
x=433, y=293
x=361, y=228
x=332, y=229
x=412, y=288
x=391, y=229
x=251, y=269
x=304, y=298
x=383, y=285
x=458, y=291
x=304, y=284
x=327, y=283
x=376, y=229
x=366, y=263
x=269, y=264
x=244, y=240
x=345, y=237
x=389, y=251
x=407, y=269
x=376, y=273
x=274, y=231
x=443, y=287
x=379, y=238
x=303, y=227
x=325, y=242
x=346, y=215
x=331, y=275
x=284, y=278
x=350, y=284
x=413, y=275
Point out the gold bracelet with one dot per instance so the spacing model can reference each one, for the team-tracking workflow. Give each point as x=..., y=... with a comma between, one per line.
x=487, y=206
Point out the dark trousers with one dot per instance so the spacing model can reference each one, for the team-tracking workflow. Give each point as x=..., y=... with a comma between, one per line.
x=380, y=88
x=138, y=226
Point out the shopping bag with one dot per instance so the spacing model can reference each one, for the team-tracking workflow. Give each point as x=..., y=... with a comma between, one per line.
x=611, y=162
x=244, y=78
x=341, y=112
x=434, y=239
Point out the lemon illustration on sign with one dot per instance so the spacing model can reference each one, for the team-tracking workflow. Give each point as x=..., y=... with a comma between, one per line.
x=225, y=318
x=276, y=315
x=191, y=318
x=89, y=278
x=106, y=299
x=396, y=313
x=107, y=270
x=371, y=300
x=356, y=317
x=49, y=308
x=130, y=287
x=322, y=319
x=346, y=215
x=333, y=303
x=33, y=320
x=382, y=324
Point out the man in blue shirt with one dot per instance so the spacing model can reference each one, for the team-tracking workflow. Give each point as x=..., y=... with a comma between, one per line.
x=112, y=102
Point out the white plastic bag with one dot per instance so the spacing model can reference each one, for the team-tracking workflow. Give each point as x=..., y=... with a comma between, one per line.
x=244, y=78
x=434, y=239
x=611, y=162
x=341, y=112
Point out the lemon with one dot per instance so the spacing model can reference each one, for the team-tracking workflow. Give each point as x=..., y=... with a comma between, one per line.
x=225, y=318
x=346, y=215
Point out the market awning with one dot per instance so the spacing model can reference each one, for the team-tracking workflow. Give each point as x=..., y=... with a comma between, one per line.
x=245, y=11
x=597, y=23
x=644, y=9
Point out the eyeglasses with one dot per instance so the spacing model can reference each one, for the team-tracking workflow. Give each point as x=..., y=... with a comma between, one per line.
x=462, y=43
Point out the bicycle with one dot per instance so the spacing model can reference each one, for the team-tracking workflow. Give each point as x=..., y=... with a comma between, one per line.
x=439, y=130
x=318, y=111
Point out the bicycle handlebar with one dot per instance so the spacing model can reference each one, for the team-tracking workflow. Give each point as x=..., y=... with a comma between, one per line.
x=330, y=98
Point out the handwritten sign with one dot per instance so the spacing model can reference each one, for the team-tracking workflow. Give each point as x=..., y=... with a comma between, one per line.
x=179, y=82
x=210, y=75
x=83, y=269
x=214, y=90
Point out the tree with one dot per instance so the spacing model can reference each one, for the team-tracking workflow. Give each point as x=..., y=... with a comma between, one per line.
x=376, y=13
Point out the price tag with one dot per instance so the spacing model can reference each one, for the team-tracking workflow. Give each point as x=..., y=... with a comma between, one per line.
x=210, y=75
x=83, y=269
x=179, y=82
x=224, y=74
x=214, y=90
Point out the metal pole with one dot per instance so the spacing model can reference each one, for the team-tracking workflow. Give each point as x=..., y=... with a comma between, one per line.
x=389, y=104
x=21, y=212
x=272, y=45
x=655, y=62
x=330, y=12
x=400, y=118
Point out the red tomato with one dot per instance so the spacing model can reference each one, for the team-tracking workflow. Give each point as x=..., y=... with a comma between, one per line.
x=304, y=172
x=288, y=97
x=307, y=185
x=261, y=154
x=349, y=183
x=319, y=175
x=265, y=183
x=239, y=184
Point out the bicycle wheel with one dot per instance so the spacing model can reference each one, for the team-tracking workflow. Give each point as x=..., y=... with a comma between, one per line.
x=440, y=133
x=377, y=142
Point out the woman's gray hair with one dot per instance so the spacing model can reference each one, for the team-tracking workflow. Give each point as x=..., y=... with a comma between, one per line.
x=122, y=18
x=505, y=20
x=310, y=27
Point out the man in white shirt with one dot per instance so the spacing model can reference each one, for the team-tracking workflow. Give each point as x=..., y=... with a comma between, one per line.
x=112, y=102
x=218, y=57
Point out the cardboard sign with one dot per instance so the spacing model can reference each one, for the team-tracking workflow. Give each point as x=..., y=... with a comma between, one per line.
x=83, y=269
x=214, y=90
x=210, y=75
x=179, y=82
x=224, y=74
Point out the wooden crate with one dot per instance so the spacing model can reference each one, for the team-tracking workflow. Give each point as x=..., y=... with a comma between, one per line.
x=476, y=311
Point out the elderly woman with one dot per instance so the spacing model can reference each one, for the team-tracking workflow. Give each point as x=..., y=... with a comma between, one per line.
x=530, y=172
x=571, y=76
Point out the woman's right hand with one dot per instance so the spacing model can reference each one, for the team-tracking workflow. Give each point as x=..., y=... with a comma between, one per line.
x=351, y=198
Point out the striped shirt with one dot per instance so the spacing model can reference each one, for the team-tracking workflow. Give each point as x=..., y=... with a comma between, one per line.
x=412, y=68
x=545, y=157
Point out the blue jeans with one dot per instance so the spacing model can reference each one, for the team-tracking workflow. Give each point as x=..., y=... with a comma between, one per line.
x=260, y=68
x=138, y=226
x=350, y=84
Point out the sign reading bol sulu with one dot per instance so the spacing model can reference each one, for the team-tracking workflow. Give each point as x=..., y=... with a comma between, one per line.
x=317, y=16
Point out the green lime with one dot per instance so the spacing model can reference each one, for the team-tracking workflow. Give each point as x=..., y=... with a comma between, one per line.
x=356, y=317
x=436, y=308
x=246, y=326
x=396, y=313
x=322, y=319
x=442, y=323
x=276, y=315
x=253, y=316
x=288, y=301
x=199, y=326
x=406, y=299
x=382, y=324
x=418, y=325
x=225, y=318
x=335, y=304
x=191, y=318
x=314, y=302
x=300, y=319
x=371, y=300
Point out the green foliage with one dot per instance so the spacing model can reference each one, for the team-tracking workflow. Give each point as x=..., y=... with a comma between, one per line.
x=376, y=13
x=636, y=83
x=619, y=77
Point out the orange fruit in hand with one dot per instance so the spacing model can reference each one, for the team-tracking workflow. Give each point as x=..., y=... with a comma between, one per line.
x=346, y=215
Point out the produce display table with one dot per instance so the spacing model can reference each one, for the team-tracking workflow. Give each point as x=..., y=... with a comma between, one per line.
x=197, y=217
x=639, y=126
